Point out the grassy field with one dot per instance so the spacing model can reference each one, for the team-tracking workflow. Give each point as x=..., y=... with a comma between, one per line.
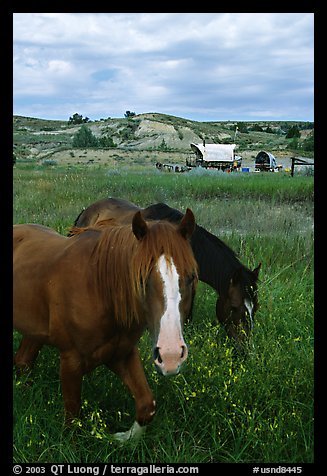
x=219, y=409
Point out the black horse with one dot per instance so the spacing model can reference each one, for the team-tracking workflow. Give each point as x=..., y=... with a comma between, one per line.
x=218, y=264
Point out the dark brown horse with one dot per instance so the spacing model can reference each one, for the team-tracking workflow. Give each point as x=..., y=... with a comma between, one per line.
x=218, y=264
x=93, y=295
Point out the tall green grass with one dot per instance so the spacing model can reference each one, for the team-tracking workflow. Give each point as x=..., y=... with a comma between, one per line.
x=43, y=193
x=219, y=409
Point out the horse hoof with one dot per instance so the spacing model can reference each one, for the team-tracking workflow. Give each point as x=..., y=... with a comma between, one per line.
x=132, y=435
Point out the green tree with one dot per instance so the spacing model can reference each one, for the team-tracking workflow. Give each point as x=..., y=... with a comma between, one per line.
x=84, y=138
x=293, y=144
x=293, y=132
x=129, y=114
x=78, y=119
x=257, y=128
x=241, y=127
x=308, y=143
x=163, y=146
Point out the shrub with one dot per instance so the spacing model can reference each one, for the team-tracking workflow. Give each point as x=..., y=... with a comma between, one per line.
x=84, y=138
x=293, y=133
x=106, y=141
x=49, y=162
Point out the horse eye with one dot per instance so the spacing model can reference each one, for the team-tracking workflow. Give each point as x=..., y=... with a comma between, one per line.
x=190, y=279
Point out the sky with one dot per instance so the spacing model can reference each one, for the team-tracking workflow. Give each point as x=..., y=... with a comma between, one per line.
x=199, y=66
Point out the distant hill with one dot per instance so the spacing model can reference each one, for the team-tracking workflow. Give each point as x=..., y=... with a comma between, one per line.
x=35, y=137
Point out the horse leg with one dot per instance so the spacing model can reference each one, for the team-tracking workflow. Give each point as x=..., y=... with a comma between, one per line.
x=26, y=355
x=71, y=376
x=130, y=370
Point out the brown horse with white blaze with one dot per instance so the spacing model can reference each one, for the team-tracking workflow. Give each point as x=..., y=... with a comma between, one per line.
x=93, y=295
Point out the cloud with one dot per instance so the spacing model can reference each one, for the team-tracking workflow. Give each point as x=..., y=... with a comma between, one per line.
x=197, y=65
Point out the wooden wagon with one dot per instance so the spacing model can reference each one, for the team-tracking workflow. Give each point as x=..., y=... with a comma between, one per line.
x=218, y=156
x=266, y=162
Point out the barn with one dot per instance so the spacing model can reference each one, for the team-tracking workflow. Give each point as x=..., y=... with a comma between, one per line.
x=221, y=156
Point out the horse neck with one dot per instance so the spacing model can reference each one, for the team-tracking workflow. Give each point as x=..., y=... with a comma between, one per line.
x=217, y=262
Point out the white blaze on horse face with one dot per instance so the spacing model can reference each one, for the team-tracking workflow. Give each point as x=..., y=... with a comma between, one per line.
x=170, y=344
x=249, y=307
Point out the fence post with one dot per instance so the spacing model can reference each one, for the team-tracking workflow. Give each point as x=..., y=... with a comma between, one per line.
x=292, y=167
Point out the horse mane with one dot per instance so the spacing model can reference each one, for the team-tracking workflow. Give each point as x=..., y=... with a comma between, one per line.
x=77, y=230
x=217, y=261
x=124, y=263
x=77, y=218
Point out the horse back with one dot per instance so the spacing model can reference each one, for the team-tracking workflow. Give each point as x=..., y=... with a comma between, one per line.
x=106, y=209
x=27, y=232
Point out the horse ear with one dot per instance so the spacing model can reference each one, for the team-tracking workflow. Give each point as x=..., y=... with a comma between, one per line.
x=187, y=225
x=139, y=226
x=256, y=271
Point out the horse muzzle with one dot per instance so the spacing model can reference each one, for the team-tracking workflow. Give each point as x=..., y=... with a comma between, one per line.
x=168, y=361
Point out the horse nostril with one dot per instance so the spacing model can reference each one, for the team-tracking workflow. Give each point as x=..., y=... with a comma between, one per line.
x=157, y=356
x=184, y=353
